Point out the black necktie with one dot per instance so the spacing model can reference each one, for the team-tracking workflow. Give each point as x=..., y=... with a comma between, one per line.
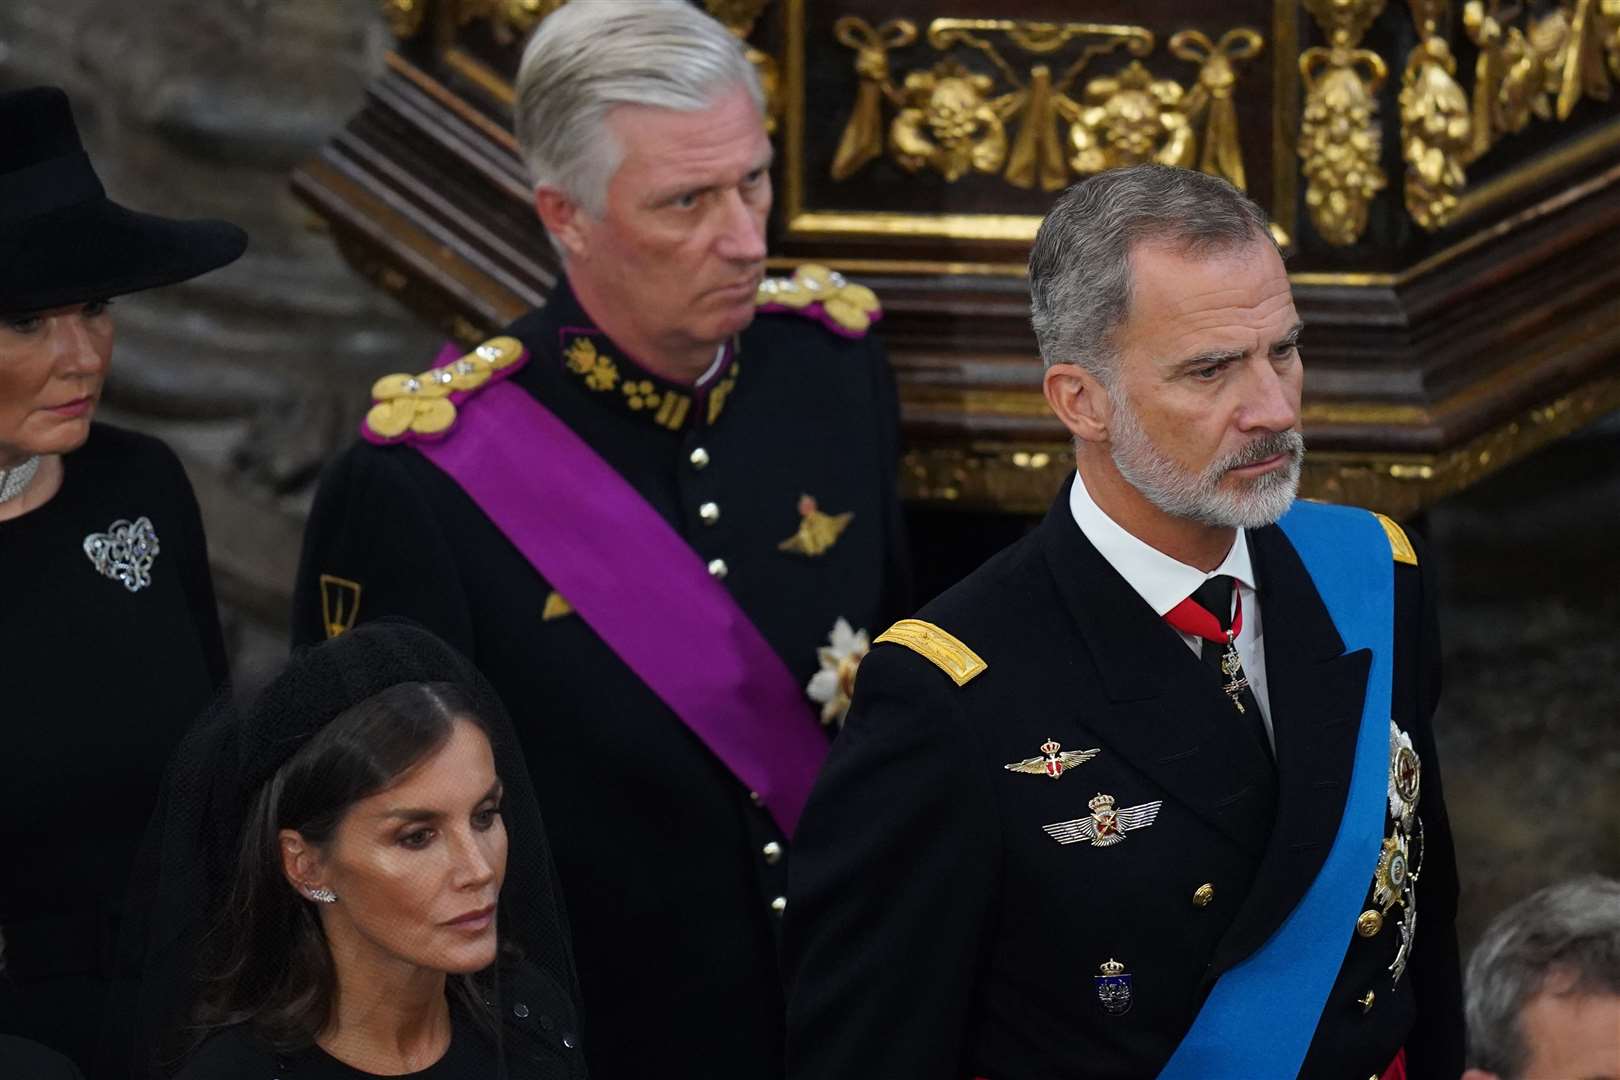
x=1215, y=597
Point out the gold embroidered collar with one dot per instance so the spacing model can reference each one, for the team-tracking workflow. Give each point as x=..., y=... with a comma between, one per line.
x=617, y=381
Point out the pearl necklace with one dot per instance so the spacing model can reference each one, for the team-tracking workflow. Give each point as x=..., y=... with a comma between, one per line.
x=15, y=480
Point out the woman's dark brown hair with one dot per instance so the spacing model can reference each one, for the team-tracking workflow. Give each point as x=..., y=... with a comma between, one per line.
x=266, y=961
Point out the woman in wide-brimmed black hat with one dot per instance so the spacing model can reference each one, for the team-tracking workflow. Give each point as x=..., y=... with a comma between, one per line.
x=109, y=636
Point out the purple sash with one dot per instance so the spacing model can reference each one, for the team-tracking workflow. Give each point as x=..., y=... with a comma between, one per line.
x=579, y=523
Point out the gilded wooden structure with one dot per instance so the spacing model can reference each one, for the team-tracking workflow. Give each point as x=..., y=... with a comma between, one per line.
x=1445, y=177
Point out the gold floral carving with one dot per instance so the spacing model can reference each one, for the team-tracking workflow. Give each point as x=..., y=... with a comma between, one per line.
x=1131, y=118
x=947, y=124
x=1339, y=139
x=739, y=17
x=1032, y=127
x=1436, y=121
x=1513, y=76
x=1531, y=65
x=1541, y=70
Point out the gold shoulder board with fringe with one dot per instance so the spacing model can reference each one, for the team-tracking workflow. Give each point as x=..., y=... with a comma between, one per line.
x=948, y=654
x=819, y=293
x=1399, y=545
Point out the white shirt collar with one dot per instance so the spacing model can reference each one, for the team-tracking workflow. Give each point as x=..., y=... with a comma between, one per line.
x=1160, y=580
x=714, y=368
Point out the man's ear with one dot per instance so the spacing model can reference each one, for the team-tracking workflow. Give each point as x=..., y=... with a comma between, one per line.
x=1079, y=401
x=564, y=219
x=300, y=862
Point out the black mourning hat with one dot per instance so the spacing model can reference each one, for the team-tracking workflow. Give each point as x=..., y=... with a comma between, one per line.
x=62, y=241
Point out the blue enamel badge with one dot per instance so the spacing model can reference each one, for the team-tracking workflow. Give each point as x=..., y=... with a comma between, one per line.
x=1114, y=988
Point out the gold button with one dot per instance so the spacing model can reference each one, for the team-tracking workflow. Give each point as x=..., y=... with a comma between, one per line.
x=1370, y=923
x=1366, y=1001
x=779, y=905
x=718, y=569
x=699, y=458
x=1203, y=895
x=709, y=512
x=773, y=853
x=753, y=797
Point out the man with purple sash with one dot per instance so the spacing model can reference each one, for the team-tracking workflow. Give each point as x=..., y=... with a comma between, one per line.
x=662, y=526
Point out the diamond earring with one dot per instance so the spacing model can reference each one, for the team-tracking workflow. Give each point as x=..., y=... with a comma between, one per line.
x=323, y=895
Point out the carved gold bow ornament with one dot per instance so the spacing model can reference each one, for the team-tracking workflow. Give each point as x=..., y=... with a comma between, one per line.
x=951, y=120
x=1209, y=104
x=863, y=134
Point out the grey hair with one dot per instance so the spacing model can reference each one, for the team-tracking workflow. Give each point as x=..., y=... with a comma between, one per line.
x=1564, y=939
x=1080, y=266
x=591, y=56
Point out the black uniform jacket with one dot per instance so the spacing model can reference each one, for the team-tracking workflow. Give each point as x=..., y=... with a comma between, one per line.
x=668, y=869
x=935, y=931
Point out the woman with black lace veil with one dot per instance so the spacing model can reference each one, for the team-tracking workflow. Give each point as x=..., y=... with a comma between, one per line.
x=354, y=881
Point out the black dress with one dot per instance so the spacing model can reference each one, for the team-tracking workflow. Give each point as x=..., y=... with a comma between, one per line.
x=536, y=1044
x=102, y=675
x=234, y=1054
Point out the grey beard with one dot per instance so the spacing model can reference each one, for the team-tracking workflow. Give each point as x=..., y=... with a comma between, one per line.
x=1199, y=496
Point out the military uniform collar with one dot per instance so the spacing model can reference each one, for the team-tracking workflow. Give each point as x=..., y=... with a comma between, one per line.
x=1159, y=579
x=610, y=376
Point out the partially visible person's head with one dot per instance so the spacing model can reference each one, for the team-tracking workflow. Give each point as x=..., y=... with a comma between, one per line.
x=378, y=844
x=1543, y=987
x=52, y=367
x=642, y=125
x=65, y=250
x=1166, y=321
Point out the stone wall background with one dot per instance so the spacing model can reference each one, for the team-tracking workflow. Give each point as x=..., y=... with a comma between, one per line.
x=256, y=373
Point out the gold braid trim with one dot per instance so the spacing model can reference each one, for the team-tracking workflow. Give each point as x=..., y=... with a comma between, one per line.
x=948, y=654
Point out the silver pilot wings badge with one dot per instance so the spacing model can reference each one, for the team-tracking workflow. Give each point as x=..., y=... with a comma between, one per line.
x=1106, y=826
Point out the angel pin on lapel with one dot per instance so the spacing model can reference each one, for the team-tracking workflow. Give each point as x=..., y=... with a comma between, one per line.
x=817, y=531
x=1053, y=760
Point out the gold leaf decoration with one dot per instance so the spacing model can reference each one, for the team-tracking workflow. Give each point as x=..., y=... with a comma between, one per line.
x=1436, y=133
x=1032, y=126
x=1131, y=118
x=1339, y=138
x=862, y=140
x=948, y=125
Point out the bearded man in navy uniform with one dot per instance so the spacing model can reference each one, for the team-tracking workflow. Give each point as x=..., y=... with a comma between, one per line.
x=1153, y=792
x=661, y=526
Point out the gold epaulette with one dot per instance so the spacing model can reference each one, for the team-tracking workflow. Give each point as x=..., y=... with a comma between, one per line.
x=948, y=654
x=421, y=404
x=822, y=294
x=1399, y=545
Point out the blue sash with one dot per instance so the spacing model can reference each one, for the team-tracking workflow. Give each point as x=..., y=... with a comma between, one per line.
x=1261, y=1015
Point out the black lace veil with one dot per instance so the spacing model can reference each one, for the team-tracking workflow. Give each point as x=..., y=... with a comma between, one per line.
x=234, y=748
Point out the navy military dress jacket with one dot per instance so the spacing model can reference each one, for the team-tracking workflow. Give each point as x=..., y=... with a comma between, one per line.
x=672, y=876
x=936, y=930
